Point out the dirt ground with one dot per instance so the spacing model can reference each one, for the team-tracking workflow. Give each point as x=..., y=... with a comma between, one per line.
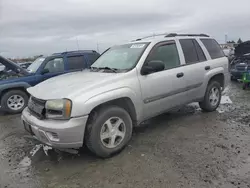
x=187, y=148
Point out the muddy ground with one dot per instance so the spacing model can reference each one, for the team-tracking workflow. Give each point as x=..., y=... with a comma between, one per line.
x=188, y=148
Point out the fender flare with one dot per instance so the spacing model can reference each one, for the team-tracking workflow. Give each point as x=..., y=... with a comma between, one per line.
x=86, y=107
x=24, y=85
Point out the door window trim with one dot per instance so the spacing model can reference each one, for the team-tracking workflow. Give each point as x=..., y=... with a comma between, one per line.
x=48, y=60
x=206, y=59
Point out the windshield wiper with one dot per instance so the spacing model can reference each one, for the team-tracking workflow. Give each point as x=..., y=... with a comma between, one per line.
x=106, y=68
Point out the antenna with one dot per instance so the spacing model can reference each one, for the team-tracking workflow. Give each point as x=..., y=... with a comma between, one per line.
x=97, y=46
x=226, y=38
x=77, y=43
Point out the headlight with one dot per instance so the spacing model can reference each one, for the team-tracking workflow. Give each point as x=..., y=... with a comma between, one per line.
x=58, y=109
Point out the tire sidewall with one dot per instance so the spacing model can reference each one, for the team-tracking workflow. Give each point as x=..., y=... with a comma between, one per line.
x=103, y=116
x=7, y=95
x=212, y=85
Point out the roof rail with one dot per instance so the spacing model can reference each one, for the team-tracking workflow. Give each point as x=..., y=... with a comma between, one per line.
x=188, y=35
x=78, y=51
x=154, y=35
x=172, y=35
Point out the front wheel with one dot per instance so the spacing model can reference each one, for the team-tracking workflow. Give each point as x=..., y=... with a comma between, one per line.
x=212, y=97
x=14, y=101
x=108, y=131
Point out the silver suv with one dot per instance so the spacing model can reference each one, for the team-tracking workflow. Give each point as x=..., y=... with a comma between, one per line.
x=127, y=85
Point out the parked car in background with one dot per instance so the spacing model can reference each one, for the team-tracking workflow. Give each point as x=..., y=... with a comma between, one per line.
x=241, y=62
x=25, y=65
x=14, y=80
x=127, y=85
x=2, y=67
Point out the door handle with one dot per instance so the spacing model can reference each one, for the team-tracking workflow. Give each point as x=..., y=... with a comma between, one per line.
x=207, y=68
x=179, y=75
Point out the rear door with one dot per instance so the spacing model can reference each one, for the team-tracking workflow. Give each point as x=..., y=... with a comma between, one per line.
x=195, y=60
x=75, y=63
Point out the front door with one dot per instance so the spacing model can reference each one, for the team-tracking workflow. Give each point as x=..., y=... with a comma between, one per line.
x=53, y=67
x=163, y=90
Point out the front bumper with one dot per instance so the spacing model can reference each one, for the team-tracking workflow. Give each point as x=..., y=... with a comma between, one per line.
x=56, y=133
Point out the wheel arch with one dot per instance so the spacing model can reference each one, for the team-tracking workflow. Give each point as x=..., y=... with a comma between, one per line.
x=123, y=102
x=14, y=86
x=219, y=78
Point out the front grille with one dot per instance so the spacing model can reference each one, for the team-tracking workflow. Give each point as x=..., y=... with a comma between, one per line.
x=37, y=107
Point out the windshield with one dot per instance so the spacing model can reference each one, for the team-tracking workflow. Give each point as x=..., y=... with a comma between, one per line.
x=122, y=57
x=35, y=65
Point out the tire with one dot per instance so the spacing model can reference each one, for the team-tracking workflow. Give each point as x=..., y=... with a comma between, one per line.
x=97, y=124
x=244, y=87
x=233, y=78
x=21, y=95
x=206, y=105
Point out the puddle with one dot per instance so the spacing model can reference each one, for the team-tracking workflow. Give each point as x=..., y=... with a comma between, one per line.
x=26, y=162
x=225, y=100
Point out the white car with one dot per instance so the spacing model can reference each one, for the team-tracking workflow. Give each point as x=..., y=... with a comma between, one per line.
x=127, y=85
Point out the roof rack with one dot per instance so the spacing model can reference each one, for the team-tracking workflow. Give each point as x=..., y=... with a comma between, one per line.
x=78, y=51
x=154, y=35
x=172, y=35
x=188, y=35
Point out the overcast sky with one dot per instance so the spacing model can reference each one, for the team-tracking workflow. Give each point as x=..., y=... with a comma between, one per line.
x=31, y=27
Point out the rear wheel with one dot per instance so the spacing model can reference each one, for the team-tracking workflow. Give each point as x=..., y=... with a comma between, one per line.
x=109, y=131
x=244, y=86
x=212, y=97
x=14, y=101
x=233, y=78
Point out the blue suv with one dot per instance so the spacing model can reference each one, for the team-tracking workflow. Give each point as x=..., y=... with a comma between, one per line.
x=14, y=80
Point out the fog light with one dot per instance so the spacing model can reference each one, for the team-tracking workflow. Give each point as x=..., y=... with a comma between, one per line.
x=53, y=136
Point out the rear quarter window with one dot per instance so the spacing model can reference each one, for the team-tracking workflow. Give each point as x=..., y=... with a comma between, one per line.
x=213, y=48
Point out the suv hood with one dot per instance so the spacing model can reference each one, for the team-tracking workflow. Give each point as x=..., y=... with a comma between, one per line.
x=12, y=66
x=242, y=49
x=70, y=85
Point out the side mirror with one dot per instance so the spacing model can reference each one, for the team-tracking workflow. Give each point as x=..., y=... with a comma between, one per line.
x=45, y=71
x=152, y=66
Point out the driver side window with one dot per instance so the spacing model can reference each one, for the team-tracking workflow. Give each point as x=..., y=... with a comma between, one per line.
x=55, y=65
x=167, y=53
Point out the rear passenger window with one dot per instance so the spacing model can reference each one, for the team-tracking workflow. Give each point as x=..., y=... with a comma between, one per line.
x=76, y=62
x=167, y=53
x=213, y=48
x=189, y=51
x=192, y=51
x=199, y=51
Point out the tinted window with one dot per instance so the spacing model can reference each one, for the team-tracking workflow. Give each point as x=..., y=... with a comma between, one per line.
x=76, y=62
x=189, y=51
x=213, y=48
x=55, y=65
x=92, y=58
x=199, y=51
x=167, y=53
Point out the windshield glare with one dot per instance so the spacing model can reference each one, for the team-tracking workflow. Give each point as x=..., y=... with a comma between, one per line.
x=122, y=57
x=35, y=65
